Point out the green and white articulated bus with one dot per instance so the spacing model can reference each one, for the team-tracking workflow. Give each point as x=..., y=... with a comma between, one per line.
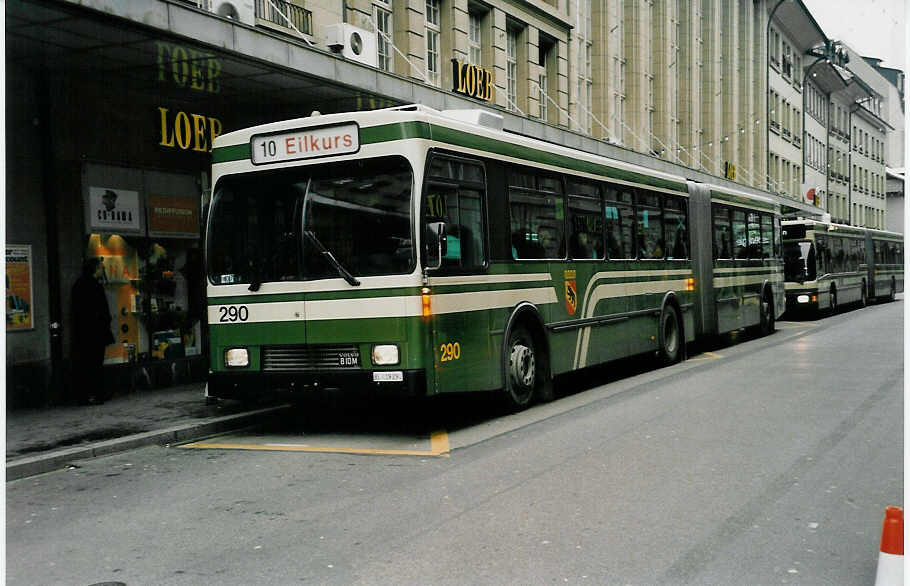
x=828, y=265
x=414, y=251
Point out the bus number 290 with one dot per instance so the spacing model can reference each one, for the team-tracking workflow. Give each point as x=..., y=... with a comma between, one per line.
x=233, y=313
x=450, y=352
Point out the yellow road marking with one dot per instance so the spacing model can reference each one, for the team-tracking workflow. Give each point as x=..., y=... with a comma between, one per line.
x=709, y=355
x=439, y=446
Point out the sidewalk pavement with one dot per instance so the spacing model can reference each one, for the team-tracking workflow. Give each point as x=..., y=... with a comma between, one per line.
x=41, y=440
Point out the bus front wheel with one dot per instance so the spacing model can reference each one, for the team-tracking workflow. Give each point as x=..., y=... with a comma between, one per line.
x=522, y=368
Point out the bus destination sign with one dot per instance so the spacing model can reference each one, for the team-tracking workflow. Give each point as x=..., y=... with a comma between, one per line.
x=305, y=143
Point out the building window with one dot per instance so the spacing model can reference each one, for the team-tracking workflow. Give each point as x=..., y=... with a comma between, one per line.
x=586, y=84
x=787, y=64
x=542, y=96
x=546, y=60
x=383, y=15
x=432, y=36
x=512, y=68
x=475, y=36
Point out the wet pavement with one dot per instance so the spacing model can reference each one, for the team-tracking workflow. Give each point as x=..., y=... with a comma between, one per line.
x=45, y=439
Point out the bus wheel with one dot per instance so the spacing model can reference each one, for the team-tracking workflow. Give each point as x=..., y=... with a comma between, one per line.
x=521, y=368
x=670, y=335
x=832, y=306
x=766, y=315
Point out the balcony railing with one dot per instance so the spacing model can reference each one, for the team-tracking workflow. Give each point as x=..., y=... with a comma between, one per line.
x=280, y=12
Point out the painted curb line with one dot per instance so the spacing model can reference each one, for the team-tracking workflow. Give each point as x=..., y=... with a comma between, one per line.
x=47, y=462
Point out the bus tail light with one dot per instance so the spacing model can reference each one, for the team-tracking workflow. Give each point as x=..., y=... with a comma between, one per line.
x=690, y=284
x=425, y=302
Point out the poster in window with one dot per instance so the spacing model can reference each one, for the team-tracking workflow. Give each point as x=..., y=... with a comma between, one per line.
x=114, y=210
x=173, y=217
x=19, y=300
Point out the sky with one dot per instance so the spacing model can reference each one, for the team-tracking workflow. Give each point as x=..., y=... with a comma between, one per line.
x=874, y=28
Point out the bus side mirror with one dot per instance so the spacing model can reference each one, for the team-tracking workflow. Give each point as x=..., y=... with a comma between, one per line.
x=436, y=244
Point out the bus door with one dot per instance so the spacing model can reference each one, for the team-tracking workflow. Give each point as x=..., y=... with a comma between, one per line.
x=462, y=349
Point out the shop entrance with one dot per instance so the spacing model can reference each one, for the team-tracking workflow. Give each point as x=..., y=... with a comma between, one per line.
x=145, y=225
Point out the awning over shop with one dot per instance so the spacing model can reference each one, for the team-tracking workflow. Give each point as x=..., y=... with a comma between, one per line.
x=63, y=37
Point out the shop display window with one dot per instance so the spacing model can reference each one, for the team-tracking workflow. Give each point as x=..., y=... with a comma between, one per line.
x=155, y=294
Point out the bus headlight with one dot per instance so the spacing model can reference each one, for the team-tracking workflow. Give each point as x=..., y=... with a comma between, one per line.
x=385, y=354
x=235, y=357
x=802, y=299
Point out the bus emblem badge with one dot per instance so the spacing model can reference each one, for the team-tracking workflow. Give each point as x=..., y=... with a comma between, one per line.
x=571, y=297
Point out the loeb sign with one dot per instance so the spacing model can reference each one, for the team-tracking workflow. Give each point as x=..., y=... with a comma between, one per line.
x=472, y=80
x=306, y=143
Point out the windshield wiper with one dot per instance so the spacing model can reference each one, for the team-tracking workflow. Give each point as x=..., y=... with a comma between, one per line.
x=331, y=258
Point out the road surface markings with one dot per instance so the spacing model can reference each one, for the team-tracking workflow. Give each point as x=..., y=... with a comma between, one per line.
x=706, y=356
x=439, y=446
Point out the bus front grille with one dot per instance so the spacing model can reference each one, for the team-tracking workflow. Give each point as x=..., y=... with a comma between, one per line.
x=307, y=358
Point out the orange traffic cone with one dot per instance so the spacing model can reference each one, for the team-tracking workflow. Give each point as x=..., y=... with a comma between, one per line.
x=891, y=557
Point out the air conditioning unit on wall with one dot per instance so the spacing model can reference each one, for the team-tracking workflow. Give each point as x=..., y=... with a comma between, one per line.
x=354, y=43
x=239, y=10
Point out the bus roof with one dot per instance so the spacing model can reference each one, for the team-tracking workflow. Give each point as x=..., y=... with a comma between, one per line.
x=832, y=227
x=453, y=128
x=464, y=129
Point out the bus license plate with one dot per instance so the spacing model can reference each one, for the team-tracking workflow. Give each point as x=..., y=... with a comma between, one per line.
x=393, y=376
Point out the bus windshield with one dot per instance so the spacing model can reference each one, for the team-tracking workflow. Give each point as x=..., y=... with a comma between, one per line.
x=282, y=225
x=799, y=261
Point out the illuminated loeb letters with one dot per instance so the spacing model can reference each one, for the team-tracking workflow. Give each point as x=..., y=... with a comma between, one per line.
x=188, y=131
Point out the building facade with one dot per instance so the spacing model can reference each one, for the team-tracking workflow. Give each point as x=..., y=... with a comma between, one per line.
x=112, y=109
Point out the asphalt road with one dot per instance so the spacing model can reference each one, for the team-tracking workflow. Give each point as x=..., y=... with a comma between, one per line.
x=769, y=461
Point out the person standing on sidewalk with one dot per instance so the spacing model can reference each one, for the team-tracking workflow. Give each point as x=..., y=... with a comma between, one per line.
x=91, y=333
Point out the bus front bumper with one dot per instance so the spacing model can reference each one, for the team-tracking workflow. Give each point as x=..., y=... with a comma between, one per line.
x=802, y=300
x=290, y=385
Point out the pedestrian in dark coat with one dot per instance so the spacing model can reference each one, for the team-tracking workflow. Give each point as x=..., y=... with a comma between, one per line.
x=91, y=333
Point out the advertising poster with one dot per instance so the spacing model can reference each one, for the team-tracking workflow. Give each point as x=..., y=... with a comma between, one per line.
x=19, y=287
x=173, y=217
x=114, y=210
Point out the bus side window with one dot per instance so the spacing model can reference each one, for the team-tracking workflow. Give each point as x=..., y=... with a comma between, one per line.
x=585, y=221
x=767, y=235
x=837, y=255
x=675, y=226
x=459, y=203
x=618, y=219
x=740, y=242
x=537, y=214
x=722, y=242
x=753, y=229
x=649, y=226
x=777, y=238
x=822, y=255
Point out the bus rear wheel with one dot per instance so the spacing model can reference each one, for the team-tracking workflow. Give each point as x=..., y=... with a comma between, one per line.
x=522, y=368
x=670, y=335
x=766, y=315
